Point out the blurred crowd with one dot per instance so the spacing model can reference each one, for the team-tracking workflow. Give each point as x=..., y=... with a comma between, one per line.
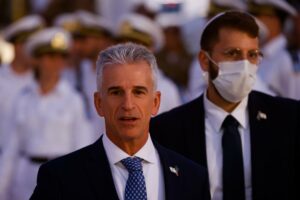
x=48, y=59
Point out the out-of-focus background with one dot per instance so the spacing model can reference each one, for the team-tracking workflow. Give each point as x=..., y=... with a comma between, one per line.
x=48, y=53
x=12, y=10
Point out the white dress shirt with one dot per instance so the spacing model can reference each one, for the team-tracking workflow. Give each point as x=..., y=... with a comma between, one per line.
x=152, y=168
x=214, y=117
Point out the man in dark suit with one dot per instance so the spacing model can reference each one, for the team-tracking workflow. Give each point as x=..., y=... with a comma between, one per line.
x=266, y=164
x=124, y=162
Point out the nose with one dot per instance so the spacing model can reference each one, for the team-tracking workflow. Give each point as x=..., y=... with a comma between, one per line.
x=128, y=102
x=244, y=56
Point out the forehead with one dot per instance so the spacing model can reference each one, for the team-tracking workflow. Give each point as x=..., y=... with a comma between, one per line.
x=233, y=38
x=138, y=73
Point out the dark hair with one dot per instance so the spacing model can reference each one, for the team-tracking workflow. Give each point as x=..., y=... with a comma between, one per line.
x=240, y=21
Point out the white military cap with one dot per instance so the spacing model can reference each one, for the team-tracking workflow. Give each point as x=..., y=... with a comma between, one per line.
x=139, y=28
x=92, y=24
x=49, y=40
x=20, y=30
x=218, y=6
x=169, y=19
x=268, y=7
x=68, y=21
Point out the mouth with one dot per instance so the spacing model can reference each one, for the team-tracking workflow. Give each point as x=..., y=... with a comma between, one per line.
x=128, y=119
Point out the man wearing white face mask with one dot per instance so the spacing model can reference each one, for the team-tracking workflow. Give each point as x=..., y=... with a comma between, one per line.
x=249, y=141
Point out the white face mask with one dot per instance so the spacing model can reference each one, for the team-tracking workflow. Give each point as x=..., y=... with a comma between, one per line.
x=235, y=79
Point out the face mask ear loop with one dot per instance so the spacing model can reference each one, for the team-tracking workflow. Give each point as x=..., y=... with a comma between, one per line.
x=210, y=59
x=214, y=62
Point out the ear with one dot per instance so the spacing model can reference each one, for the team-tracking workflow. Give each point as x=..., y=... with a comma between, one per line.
x=203, y=60
x=156, y=103
x=97, y=103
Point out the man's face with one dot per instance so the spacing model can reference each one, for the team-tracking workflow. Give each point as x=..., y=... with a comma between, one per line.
x=233, y=45
x=126, y=101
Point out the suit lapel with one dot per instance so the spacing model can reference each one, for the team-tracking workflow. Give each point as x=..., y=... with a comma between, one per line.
x=171, y=179
x=99, y=173
x=258, y=118
x=196, y=137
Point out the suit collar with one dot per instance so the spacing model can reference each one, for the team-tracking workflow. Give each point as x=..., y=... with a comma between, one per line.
x=259, y=126
x=199, y=126
x=172, y=181
x=101, y=180
x=196, y=136
x=99, y=173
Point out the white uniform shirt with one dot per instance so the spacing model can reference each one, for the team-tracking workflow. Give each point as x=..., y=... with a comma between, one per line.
x=214, y=117
x=53, y=124
x=276, y=66
x=89, y=87
x=288, y=81
x=44, y=126
x=152, y=168
x=10, y=86
x=170, y=97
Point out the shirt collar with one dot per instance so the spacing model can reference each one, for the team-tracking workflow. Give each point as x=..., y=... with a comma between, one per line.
x=8, y=71
x=115, y=154
x=216, y=115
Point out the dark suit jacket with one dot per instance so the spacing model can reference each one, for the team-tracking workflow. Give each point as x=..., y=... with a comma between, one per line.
x=85, y=174
x=274, y=142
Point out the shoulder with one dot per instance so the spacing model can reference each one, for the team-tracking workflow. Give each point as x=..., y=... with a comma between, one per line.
x=69, y=163
x=268, y=100
x=194, y=106
x=179, y=161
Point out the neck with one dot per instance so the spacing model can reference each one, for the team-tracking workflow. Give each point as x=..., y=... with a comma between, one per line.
x=130, y=146
x=19, y=67
x=47, y=84
x=214, y=96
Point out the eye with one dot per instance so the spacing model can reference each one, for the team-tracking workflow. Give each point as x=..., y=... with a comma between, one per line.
x=115, y=92
x=233, y=53
x=139, y=92
x=255, y=56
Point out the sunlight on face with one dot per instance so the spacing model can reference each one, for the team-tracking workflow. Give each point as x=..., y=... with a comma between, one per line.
x=127, y=101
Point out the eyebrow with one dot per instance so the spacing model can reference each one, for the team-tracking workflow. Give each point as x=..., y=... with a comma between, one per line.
x=135, y=87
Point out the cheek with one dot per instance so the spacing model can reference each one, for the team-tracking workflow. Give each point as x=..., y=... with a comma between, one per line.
x=212, y=70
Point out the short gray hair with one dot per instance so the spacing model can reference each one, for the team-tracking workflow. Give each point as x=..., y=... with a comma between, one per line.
x=126, y=53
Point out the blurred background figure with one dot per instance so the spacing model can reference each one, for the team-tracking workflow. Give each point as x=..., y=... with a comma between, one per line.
x=94, y=33
x=48, y=118
x=173, y=59
x=71, y=73
x=292, y=76
x=6, y=51
x=141, y=29
x=276, y=64
x=14, y=76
